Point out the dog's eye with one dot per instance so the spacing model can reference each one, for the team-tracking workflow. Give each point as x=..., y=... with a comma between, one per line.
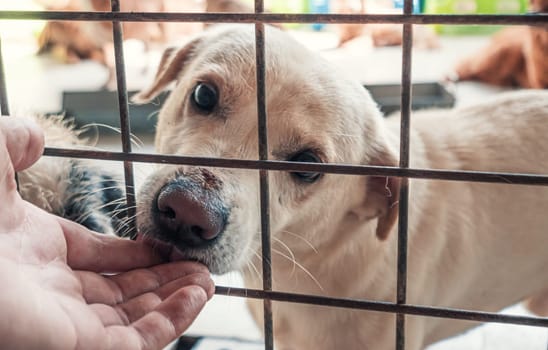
x=306, y=157
x=205, y=97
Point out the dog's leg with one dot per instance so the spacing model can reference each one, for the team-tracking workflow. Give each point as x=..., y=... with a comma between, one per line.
x=538, y=304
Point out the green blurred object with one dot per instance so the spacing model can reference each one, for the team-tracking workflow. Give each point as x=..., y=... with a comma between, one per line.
x=472, y=7
x=288, y=6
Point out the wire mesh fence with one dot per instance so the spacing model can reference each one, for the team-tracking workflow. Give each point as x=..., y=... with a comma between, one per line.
x=259, y=18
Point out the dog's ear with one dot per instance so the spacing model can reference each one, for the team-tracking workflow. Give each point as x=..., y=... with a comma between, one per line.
x=382, y=197
x=171, y=64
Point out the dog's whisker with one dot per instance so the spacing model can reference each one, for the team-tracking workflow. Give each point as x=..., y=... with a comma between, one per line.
x=84, y=216
x=134, y=139
x=114, y=213
x=250, y=265
x=99, y=190
x=91, y=140
x=153, y=114
x=289, y=251
x=128, y=228
x=118, y=200
x=301, y=238
x=308, y=273
x=120, y=210
x=259, y=258
x=126, y=221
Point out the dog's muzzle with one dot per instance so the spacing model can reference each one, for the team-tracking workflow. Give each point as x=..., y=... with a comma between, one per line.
x=188, y=213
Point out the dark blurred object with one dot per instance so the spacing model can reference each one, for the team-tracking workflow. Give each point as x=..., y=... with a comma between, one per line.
x=515, y=56
x=216, y=342
x=425, y=95
x=101, y=107
x=186, y=342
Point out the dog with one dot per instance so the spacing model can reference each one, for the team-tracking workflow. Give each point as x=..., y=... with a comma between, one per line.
x=72, y=41
x=77, y=189
x=471, y=245
x=515, y=56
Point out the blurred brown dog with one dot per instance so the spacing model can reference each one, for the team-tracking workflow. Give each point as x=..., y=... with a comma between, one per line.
x=73, y=41
x=515, y=56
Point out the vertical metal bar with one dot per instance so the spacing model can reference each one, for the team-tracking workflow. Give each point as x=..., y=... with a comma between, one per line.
x=125, y=126
x=4, y=105
x=260, y=66
x=404, y=163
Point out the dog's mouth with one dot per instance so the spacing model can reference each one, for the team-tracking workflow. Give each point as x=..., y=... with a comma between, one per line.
x=219, y=259
x=183, y=220
x=168, y=251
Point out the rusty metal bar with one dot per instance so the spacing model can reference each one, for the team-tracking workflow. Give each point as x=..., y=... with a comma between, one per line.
x=125, y=127
x=400, y=308
x=343, y=169
x=381, y=306
x=533, y=19
x=262, y=129
x=405, y=126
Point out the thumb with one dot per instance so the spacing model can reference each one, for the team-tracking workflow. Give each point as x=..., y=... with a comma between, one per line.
x=21, y=144
x=23, y=139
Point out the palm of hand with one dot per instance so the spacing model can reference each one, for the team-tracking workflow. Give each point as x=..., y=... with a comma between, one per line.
x=55, y=294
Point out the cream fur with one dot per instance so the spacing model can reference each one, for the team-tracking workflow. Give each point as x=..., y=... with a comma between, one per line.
x=471, y=245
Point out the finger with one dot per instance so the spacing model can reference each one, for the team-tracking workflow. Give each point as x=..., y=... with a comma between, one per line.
x=196, y=279
x=139, y=306
x=134, y=309
x=24, y=141
x=108, y=315
x=119, y=288
x=140, y=281
x=161, y=326
x=21, y=143
x=87, y=250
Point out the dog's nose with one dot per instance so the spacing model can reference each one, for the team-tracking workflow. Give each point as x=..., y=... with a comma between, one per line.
x=186, y=216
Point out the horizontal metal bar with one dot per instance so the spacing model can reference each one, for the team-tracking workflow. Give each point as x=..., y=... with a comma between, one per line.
x=451, y=175
x=533, y=19
x=381, y=306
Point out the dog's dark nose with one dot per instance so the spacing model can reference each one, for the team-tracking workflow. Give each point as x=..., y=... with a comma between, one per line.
x=187, y=214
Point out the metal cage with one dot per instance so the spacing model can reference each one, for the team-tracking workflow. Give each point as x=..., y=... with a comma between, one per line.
x=259, y=18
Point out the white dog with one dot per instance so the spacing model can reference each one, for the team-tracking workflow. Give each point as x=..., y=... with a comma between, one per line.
x=471, y=245
x=77, y=189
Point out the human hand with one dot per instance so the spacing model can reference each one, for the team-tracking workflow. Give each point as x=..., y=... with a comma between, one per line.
x=58, y=287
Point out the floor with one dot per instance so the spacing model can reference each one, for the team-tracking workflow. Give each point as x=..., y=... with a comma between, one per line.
x=35, y=85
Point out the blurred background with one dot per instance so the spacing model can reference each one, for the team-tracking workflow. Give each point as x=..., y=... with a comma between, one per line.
x=68, y=68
